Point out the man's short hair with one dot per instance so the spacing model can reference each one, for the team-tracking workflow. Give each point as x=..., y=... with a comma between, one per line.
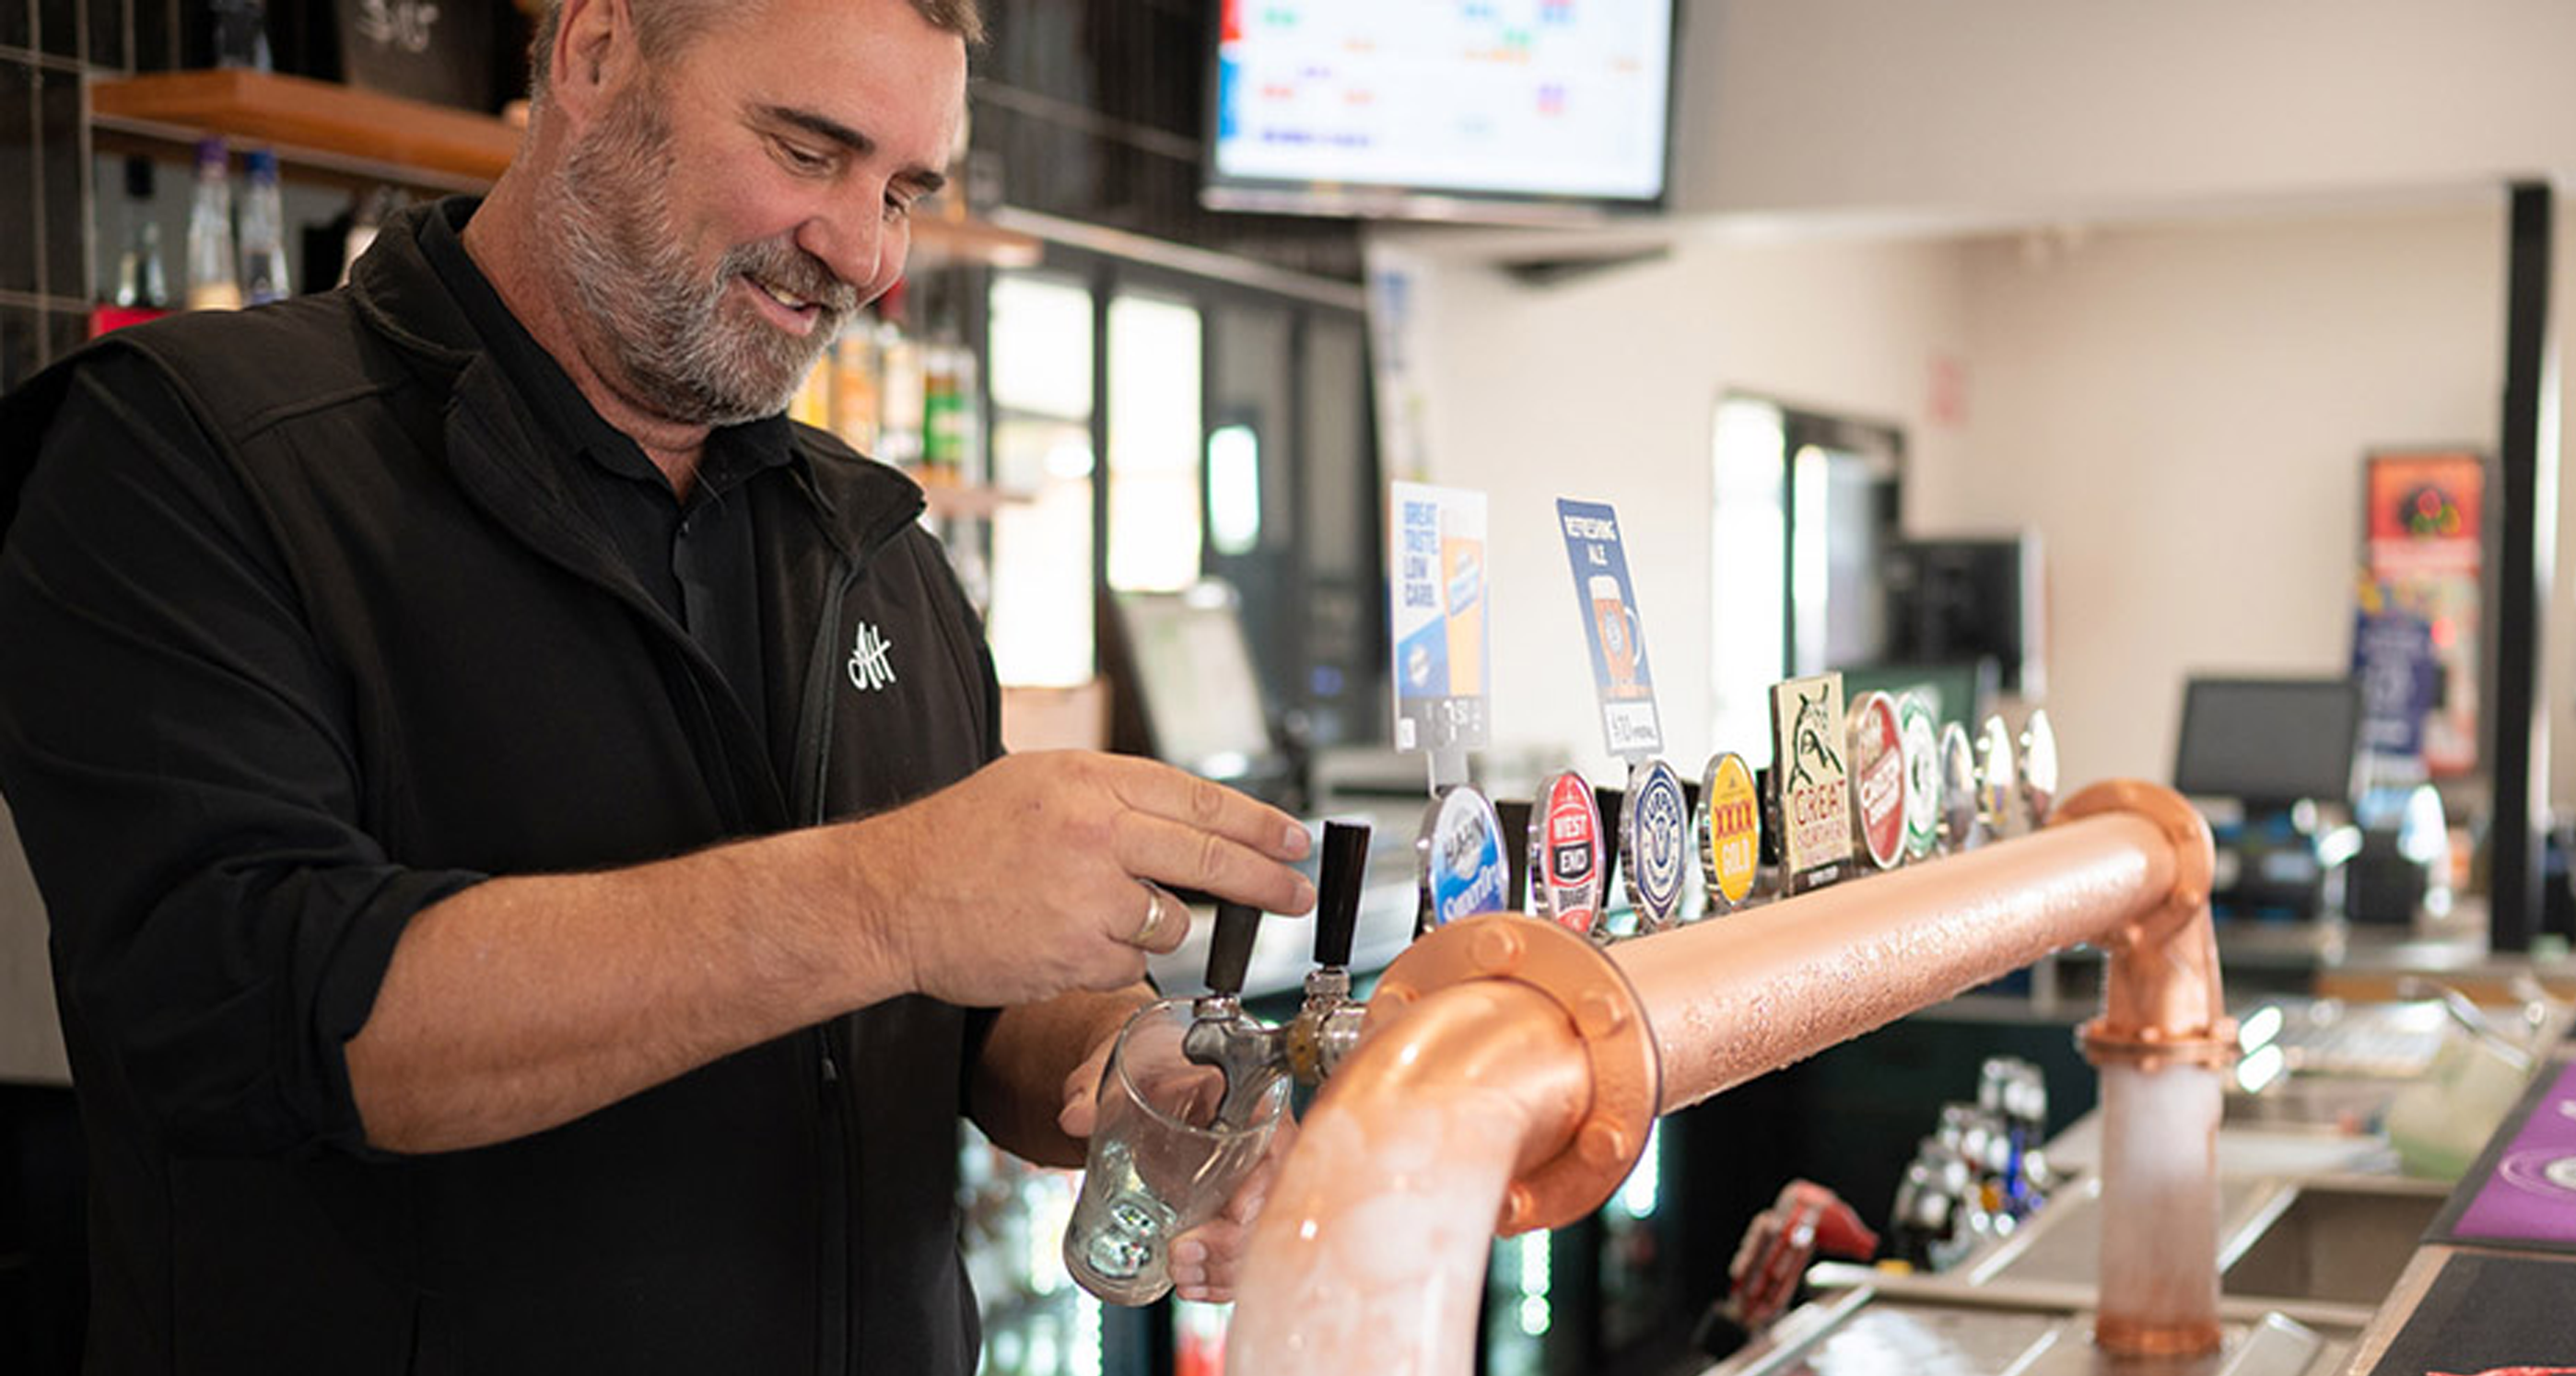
x=664, y=27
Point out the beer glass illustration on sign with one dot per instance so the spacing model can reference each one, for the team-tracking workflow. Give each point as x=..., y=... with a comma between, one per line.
x=1618, y=626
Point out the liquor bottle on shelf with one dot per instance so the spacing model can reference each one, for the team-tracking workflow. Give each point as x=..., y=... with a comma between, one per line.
x=264, y=273
x=857, y=391
x=212, y=284
x=949, y=411
x=900, y=385
x=141, y=290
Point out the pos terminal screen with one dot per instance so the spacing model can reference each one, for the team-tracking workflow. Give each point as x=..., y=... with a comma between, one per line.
x=2269, y=740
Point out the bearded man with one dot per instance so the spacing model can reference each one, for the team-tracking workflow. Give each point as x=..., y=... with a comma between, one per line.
x=494, y=931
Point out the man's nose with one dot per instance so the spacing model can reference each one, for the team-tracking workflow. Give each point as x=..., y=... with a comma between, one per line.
x=854, y=242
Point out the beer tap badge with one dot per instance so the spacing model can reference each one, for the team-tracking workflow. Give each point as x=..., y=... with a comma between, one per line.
x=1996, y=789
x=1436, y=585
x=1461, y=854
x=1652, y=828
x=1730, y=832
x=1612, y=627
x=1565, y=854
x=1815, y=798
x=1916, y=727
x=2038, y=767
x=1958, y=790
x=1878, y=780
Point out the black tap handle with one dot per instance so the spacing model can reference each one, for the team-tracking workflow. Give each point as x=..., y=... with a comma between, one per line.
x=1230, y=949
x=1337, y=890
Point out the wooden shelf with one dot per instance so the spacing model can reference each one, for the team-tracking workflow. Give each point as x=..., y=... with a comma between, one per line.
x=348, y=132
x=950, y=501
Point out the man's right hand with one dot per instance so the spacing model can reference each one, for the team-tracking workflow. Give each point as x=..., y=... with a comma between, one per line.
x=1023, y=880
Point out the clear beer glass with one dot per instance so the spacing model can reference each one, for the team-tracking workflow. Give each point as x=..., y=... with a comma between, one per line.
x=1160, y=1162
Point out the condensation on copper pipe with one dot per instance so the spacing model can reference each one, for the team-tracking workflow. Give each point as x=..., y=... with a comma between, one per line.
x=1370, y=1254
x=1746, y=994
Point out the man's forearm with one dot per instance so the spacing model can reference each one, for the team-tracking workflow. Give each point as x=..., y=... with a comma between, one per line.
x=523, y=1003
x=1019, y=1085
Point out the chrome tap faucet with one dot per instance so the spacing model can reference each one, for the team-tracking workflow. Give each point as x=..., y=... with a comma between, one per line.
x=1328, y=1025
x=1250, y=1054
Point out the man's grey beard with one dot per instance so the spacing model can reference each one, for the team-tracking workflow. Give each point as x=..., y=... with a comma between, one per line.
x=662, y=323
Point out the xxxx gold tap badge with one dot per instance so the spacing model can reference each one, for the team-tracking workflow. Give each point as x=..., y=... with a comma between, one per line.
x=1815, y=788
x=1730, y=832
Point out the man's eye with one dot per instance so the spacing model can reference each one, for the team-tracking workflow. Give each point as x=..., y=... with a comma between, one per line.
x=896, y=207
x=802, y=159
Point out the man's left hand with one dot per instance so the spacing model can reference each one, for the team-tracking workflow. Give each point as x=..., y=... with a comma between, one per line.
x=1206, y=1261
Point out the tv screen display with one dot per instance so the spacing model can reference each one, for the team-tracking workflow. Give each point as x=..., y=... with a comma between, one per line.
x=1440, y=107
x=2269, y=741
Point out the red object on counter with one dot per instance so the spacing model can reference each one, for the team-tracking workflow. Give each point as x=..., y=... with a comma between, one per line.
x=103, y=318
x=1806, y=1219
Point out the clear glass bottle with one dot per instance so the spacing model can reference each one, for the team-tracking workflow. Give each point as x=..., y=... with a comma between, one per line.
x=142, y=282
x=212, y=284
x=264, y=273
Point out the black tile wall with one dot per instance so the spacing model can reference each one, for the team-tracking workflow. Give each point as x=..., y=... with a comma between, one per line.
x=64, y=332
x=17, y=23
x=63, y=172
x=18, y=266
x=107, y=27
x=156, y=35
x=58, y=27
x=21, y=339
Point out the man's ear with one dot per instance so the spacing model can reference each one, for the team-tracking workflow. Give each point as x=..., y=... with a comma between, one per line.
x=594, y=52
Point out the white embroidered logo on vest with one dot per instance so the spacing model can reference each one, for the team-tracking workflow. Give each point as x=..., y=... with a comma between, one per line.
x=870, y=669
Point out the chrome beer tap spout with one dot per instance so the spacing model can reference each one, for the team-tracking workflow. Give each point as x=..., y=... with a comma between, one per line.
x=1249, y=1053
x=1328, y=1025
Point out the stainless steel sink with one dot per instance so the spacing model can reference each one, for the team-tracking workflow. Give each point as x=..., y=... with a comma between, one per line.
x=2343, y=1242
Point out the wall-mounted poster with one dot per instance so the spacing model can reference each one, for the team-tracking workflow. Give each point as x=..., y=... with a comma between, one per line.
x=2425, y=516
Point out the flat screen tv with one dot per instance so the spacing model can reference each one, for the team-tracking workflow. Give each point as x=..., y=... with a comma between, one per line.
x=2269, y=742
x=1441, y=109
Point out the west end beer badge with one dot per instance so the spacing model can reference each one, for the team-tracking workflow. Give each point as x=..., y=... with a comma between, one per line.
x=1958, y=790
x=1921, y=735
x=1877, y=762
x=1996, y=788
x=2038, y=767
x=1461, y=853
x=1565, y=854
x=1815, y=797
x=1652, y=830
x=1730, y=832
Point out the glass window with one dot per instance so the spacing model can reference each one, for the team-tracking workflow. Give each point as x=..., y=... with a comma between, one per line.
x=1154, y=437
x=1041, y=349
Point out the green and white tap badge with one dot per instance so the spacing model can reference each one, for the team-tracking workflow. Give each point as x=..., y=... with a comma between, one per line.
x=1437, y=616
x=1730, y=832
x=1922, y=736
x=1815, y=791
x=1613, y=628
x=1460, y=852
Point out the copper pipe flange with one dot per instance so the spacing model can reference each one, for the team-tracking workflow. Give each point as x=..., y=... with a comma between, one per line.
x=1625, y=1074
x=2130, y=1338
x=2148, y=1051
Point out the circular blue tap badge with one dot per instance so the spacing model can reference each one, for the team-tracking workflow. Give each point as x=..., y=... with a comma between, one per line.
x=1652, y=841
x=1461, y=855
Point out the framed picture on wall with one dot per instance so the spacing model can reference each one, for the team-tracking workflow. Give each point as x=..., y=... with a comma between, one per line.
x=2424, y=517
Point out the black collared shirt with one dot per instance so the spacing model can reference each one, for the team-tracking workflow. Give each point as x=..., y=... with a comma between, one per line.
x=694, y=555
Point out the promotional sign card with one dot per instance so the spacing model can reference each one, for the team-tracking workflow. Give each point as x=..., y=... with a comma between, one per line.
x=1815, y=791
x=1612, y=627
x=1436, y=583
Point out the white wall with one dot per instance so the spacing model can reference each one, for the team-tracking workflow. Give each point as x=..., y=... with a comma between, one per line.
x=1606, y=389
x=2182, y=411
x=2045, y=106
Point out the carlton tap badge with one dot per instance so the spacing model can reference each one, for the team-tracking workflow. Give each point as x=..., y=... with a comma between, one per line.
x=1815, y=799
x=1877, y=780
x=1653, y=835
x=1565, y=854
x=1730, y=832
x=1461, y=854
